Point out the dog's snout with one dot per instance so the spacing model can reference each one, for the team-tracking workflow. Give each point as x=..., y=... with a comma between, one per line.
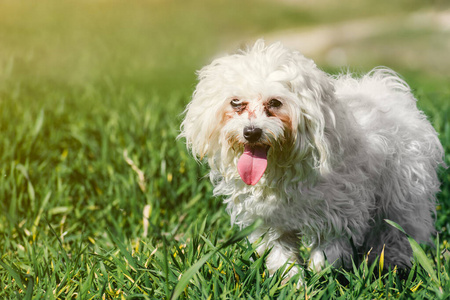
x=252, y=134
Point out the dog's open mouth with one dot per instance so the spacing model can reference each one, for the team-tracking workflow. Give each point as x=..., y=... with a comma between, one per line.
x=253, y=163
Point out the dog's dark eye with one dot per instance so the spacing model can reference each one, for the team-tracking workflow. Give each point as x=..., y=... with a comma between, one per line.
x=236, y=103
x=274, y=103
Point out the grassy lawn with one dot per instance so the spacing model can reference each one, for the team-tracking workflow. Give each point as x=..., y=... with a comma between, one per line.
x=99, y=200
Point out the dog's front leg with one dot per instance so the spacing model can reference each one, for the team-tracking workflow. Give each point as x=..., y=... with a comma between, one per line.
x=283, y=251
x=280, y=256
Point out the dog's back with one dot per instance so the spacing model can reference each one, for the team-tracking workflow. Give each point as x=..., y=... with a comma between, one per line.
x=403, y=144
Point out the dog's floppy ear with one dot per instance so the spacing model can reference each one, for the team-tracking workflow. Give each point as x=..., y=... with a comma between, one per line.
x=202, y=115
x=316, y=96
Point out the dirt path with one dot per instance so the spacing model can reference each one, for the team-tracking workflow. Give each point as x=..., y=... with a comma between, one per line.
x=418, y=41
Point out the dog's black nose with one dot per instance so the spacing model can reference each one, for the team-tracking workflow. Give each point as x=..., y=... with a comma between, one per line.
x=252, y=134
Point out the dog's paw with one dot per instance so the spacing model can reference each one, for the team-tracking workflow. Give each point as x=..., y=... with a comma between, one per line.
x=316, y=260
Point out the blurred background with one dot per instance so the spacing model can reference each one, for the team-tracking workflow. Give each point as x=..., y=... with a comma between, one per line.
x=160, y=43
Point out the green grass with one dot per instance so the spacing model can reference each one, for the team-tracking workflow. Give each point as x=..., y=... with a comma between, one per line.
x=90, y=98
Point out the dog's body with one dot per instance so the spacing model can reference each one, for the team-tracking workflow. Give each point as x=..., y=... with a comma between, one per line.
x=320, y=159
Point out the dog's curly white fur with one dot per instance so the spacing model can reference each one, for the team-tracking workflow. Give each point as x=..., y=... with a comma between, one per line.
x=344, y=154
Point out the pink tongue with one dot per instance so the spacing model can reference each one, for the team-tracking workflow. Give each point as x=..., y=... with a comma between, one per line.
x=252, y=164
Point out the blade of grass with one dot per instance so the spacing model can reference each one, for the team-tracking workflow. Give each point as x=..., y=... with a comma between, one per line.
x=13, y=274
x=419, y=254
x=438, y=259
x=381, y=265
x=29, y=294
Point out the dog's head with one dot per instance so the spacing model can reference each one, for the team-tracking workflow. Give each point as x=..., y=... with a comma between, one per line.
x=265, y=105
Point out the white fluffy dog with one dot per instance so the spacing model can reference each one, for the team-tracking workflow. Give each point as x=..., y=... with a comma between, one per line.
x=321, y=160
